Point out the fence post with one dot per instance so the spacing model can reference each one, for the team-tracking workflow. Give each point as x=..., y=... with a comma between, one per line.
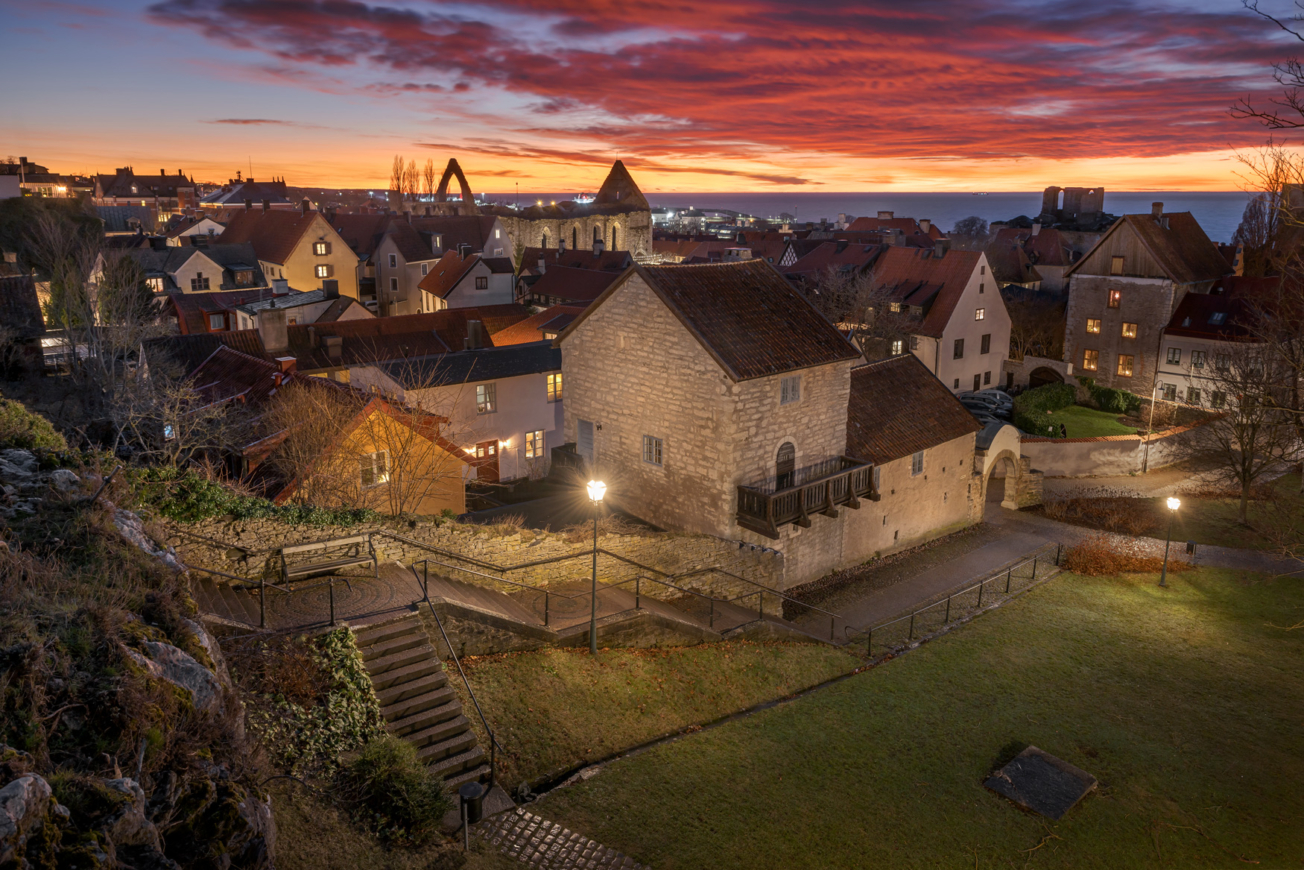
x=1007, y=580
x=711, y=623
x=760, y=605
x=330, y=584
x=869, y=643
x=1058, y=547
x=980, y=594
x=1034, y=567
x=545, y=607
x=947, y=618
x=638, y=598
x=832, y=635
x=425, y=565
x=262, y=601
x=912, y=628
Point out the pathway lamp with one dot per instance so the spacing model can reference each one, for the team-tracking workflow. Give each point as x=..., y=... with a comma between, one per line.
x=597, y=489
x=1173, y=504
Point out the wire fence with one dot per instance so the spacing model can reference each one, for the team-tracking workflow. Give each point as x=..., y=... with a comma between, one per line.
x=898, y=634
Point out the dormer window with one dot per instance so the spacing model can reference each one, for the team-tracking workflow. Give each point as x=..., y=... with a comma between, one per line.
x=244, y=278
x=1217, y=318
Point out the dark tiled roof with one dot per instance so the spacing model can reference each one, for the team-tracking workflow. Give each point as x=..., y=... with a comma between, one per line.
x=193, y=308
x=1046, y=248
x=469, y=366
x=146, y=185
x=747, y=316
x=1228, y=314
x=274, y=234
x=273, y=192
x=619, y=189
x=125, y=218
x=229, y=374
x=454, y=230
x=917, y=277
x=1178, y=244
x=898, y=407
x=20, y=309
x=500, y=265
x=905, y=225
x=1010, y=264
x=361, y=232
x=572, y=285
x=840, y=256
x=611, y=261
x=554, y=319
x=186, y=352
x=412, y=246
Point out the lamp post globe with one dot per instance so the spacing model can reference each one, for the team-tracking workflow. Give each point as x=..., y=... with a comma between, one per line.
x=597, y=489
x=1173, y=504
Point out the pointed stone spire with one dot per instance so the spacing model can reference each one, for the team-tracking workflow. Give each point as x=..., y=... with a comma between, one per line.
x=620, y=189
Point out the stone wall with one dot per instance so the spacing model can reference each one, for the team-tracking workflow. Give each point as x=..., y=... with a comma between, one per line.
x=1147, y=302
x=1110, y=454
x=633, y=231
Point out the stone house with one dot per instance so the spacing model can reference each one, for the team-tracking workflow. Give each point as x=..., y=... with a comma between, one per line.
x=1124, y=291
x=298, y=245
x=1048, y=251
x=958, y=325
x=234, y=310
x=715, y=399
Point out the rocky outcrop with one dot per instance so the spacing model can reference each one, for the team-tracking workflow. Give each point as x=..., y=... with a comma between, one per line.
x=179, y=668
x=23, y=485
x=27, y=809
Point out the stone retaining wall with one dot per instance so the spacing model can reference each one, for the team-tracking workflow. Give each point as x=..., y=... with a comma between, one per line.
x=1110, y=454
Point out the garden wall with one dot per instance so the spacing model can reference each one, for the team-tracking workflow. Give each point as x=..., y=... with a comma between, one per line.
x=1109, y=454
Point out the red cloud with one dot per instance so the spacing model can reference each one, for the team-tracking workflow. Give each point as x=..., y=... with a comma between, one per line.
x=748, y=78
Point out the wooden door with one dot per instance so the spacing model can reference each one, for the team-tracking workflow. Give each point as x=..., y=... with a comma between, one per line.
x=486, y=461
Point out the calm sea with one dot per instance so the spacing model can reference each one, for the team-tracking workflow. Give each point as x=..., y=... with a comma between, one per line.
x=1219, y=213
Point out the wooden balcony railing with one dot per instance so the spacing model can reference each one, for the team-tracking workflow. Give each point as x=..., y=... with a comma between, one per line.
x=815, y=489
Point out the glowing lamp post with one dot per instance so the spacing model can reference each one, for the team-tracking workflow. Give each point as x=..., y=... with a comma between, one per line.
x=1173, y=504
x=597, y=489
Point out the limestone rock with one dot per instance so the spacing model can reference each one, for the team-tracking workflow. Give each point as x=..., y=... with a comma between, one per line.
x=180, y=668
x=221, y=824
x=129, y=825
x=24, y=806
x=63, y=480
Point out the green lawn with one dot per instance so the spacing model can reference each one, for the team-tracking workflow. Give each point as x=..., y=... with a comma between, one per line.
x=556, y=708
x=1083, y=422
x=1186, y=703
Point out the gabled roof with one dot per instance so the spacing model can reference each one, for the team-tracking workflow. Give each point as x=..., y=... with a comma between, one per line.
x=531, y=329
x=229, y=374
x=177, y=225
x=274, y=233
x=745, y=315
x=121, y=184
x=1010, y=264
x=572, y=285
x=361, y=232
x=411, y=246
x=445, y=275
x=898, y=407
x=188, y=351
x=619, y=189
x=840, y=256
x=918, y=277
x=610, y=261
x=905, y=225
x=472, y=366
x=1177, y=242
x=257, y=192
x=1227, y=315
x=1046, y=248
x=454, y=230
x=193, y=308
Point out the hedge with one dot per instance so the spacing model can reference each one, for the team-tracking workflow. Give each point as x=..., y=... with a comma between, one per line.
x=1031, y=406
x=1111, y=400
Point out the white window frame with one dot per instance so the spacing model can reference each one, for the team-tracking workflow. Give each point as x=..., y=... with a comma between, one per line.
x=486, y=398
x=534, y=444
x=653, y=451
x=217, y=321
x=917, y=464
x=556, y=389
x=393, y=261
x=980, y=314
x=790, y=390
x=377, y=465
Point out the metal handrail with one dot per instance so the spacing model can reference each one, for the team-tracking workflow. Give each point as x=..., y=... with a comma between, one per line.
x=493, y=741
x=1008, y=571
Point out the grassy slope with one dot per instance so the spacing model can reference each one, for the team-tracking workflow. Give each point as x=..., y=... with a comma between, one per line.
x=1085, y=422
x=556, y=708
x=1185, y=703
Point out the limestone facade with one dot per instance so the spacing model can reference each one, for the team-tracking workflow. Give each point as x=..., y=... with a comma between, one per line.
x=617, y=231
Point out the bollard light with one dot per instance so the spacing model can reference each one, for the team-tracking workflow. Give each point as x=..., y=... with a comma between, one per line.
x=1173, y=504
x=597, y=489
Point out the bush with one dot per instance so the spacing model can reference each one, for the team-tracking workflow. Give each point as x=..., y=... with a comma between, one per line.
x=1031, y=406
x=1111, y=400
x=20, y=428
x=396, y=796
x=1097, y=557
x=188, y=497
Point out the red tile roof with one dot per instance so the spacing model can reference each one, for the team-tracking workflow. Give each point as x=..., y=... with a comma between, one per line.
x=745, y=314
x=447, y=273
x=905, y=225
x=572, y=285
x=840, y=256
x=610, y=261
x=410, y=243
x=192, y=309
x=554, y=319
x=274, y=234
x=917, y=277
x=361, y=232
x=898, y=407
x=1227, y=315
x=229, y=374
x=1046, y=248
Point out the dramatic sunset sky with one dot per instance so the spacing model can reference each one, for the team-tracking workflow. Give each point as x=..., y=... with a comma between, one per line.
x=693, y=94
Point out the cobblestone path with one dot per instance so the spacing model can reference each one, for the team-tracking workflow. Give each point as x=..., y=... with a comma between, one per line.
x=548, y=846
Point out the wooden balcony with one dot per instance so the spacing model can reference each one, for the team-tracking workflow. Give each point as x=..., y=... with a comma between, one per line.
x=816, y=489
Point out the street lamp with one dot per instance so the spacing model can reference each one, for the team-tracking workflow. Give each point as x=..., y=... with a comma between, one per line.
x=597, y=489
x=1173, y=504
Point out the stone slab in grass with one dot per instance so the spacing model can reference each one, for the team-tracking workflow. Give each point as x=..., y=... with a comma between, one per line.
x=1042, y=783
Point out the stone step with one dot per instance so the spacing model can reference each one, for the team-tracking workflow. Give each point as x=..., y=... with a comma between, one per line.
x=239, y=605
x=426, y=718
x=433, y=752
x=435, y=733
x=403, y=690
x=475, y=774
x=391, y=645
x=369, y=635
x=455, y=764
x=414, y=705
x=379, y=667
x=395, y=677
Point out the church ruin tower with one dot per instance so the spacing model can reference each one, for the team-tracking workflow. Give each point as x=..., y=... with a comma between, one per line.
x=620, y=190
x=442, y=204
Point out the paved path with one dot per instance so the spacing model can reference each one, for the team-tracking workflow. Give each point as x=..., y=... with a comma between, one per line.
x=540, y=843
x=1153, y=484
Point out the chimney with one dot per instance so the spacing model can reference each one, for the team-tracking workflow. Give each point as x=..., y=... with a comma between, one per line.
x=314, y=340
x=280, y=286
x=925, y=225
x=1036, y=227
x=543, y=264
x=334, y=346
x=1156, y=210
x=885, y=215
x=303, y=206
x=598, y=247
x=272, y=329
x=331, y=288
x=249, y=205
x=158, y=243
x=287, y=364
x=163, y=172
x=267, y=205
x=940, y=248
x=473, y=335
x=463, y=250
x=897, y=239
x=200, y=240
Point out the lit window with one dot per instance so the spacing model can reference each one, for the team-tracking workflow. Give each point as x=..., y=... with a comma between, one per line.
x=1093, y=325
x=980, y=314
x=482, y=283
x=323, y=271
x=498, y=234
x=1129, y=330
x=199, y=283
x=1192, y=396
x=652, y=450
x=534, y=444
x=1125, y=365
x=1115, y=298
x=1174, y=356
x=1090, y=360
x=898, y=347
x=321, y=249
x=790, y=390
x=244, y=278
x=1116, y=266
x=986, y=346
x=1197, y=359
x=917, y=464
x=486, y=398
x=554, y=387
x=894, y=307
x=393, y=261
x=957, y=352
x=216, y=322
x=374, y=468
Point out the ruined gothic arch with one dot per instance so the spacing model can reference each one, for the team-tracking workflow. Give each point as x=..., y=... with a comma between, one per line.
x=615, y=237
x=575, y=237
x=544, y=243
x=1007, y=471
x=468, y=198
x=597, y=234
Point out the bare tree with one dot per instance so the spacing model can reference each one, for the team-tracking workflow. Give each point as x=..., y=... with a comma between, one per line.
x=1036, y=322
x=1285, y=112
x=411, y=180
x=867, y=313
x=429, y=177
x=396, y=171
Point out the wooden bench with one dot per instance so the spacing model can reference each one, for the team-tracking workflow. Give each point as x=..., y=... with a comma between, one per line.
x=327, y=557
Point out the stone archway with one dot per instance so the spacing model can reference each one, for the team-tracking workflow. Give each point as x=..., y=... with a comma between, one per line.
x=1004, y=483
x=1043, y=375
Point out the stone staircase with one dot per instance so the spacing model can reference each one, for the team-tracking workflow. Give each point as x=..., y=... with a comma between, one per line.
x=416, y=700
x=224, y=601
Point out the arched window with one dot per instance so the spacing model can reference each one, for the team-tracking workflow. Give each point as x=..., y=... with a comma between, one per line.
x=785, y=466
x=597, y=235
x=615, y=240
x=575, y=238
x=545, y=240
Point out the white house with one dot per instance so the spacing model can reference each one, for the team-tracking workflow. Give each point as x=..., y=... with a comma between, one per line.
x=466, y=280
